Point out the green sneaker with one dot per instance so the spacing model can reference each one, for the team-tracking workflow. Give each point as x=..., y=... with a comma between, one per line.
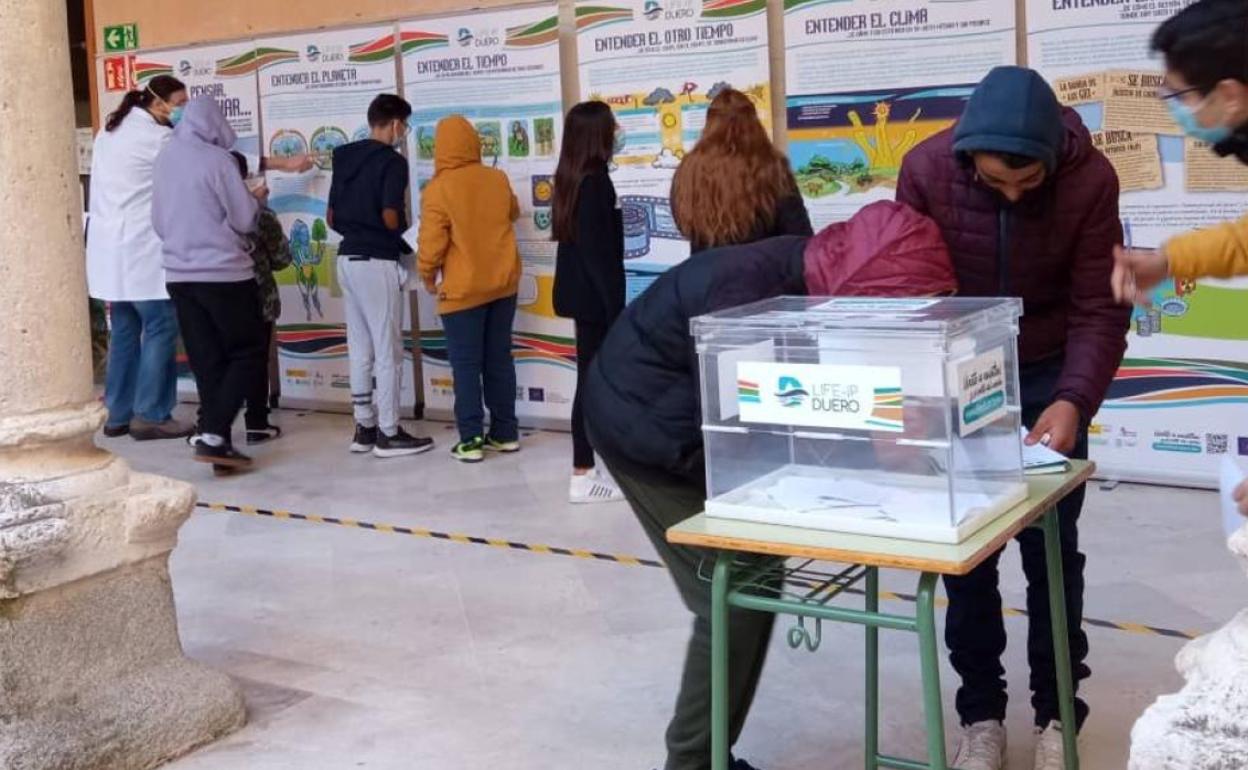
x=470, y=451
x=506, y=447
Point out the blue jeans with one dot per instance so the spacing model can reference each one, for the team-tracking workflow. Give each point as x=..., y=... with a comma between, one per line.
x=142, y=379
x=478, y=343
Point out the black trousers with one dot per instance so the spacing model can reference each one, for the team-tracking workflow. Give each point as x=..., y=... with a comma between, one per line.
x=224, y=335
x=975, y=628
x=589, y=339
x=257, y=415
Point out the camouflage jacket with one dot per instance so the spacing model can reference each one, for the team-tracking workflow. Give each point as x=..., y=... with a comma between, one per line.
x=270, y=250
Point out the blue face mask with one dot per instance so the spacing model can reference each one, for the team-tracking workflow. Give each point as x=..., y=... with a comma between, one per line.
x=175, y=115
x=1185, y=116
x=621, y=141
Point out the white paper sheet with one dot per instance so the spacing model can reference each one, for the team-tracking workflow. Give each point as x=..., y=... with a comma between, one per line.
x=1232, y=475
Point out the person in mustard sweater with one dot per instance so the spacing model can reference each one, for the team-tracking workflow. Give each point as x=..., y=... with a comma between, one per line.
x=468, y=259
x=1207, y=92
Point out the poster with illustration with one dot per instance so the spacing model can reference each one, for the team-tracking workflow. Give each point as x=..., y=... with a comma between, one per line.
x=314, y=95
x=227, y=73
x=1177, y=406
x=659, y=65
x=868, y=80
x=500, y=70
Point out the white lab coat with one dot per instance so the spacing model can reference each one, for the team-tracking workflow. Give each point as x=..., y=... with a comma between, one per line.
x=123, y=251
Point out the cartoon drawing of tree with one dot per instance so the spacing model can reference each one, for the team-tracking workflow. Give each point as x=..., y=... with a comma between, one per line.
x=305, y=260
x=320, y=234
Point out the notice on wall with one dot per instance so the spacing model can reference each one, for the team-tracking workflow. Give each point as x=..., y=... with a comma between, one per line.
x=1171, y=412
x=500, y=70
x=1080, y=89
x=1135, y=156
x=1209, y=172
x=1132, y=103
x=659, y=66
x=314, y=92
x=868, y=80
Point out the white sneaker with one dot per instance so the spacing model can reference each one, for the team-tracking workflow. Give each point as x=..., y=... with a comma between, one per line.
x=1050, y=750
x=593, y=488
x=982, y=747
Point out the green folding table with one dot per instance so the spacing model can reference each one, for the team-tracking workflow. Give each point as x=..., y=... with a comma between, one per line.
x=740, y=578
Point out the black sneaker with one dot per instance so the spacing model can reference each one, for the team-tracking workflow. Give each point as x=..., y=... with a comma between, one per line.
x=224, y=456
x=261, y=435
x=400, y=444
x=116, y=431
x=365, y=439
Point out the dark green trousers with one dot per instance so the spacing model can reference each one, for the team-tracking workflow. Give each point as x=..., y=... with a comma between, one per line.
x=659, y=506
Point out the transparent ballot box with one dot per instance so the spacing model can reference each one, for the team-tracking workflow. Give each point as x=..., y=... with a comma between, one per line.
x=897, y=418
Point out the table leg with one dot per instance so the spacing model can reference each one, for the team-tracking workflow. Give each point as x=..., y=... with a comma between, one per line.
x=872, y=699
x=1061, y=637
x=930, y=662
x=719, y=661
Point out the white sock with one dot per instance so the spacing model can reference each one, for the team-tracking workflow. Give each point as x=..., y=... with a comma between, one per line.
x=212, y=439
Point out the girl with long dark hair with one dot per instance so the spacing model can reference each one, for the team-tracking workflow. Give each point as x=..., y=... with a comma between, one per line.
x=589, y=273
x=735, y=187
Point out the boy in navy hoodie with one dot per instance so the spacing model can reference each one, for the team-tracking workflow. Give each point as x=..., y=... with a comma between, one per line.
x=368, y=207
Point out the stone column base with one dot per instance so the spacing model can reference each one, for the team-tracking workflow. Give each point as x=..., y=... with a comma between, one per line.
x=94, y=677
x=1204, y=726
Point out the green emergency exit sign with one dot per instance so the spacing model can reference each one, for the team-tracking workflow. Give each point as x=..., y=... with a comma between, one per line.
x=121, y=37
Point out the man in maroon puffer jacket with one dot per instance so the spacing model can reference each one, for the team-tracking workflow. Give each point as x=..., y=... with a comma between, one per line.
x=1028, y=208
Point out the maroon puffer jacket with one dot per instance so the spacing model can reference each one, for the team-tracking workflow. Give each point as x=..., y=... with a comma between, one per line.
x=1054, y=248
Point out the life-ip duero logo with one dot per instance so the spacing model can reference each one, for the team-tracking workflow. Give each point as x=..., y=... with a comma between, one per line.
x=790, y=393
x=185, y=68
x=464, y=37
x=652, y=10
x=313, y=53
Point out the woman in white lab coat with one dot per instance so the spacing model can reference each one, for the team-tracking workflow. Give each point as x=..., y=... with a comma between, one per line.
x=124, y=264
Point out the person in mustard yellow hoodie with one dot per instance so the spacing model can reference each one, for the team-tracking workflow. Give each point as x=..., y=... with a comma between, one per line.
x=1206, y=89
x=1206, y=50
x=468, y=259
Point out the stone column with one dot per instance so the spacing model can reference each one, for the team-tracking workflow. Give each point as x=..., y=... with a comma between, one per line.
x=1204, y=726
x=92, y=673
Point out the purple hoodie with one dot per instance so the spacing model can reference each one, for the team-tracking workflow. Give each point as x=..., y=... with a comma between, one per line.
x=201, y=208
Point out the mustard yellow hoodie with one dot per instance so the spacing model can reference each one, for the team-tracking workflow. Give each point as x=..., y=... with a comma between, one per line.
x=1217, y=252
x=466, y=217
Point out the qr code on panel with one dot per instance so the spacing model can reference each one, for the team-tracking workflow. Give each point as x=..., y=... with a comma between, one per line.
x=1216, y=443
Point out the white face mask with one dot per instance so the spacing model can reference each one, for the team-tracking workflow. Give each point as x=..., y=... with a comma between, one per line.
x=400, y=135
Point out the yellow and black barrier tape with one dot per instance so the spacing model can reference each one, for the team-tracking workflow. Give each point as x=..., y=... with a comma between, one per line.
x=628, y=561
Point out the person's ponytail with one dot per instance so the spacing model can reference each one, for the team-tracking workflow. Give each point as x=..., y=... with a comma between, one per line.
x=161, y=87
x=131, y=100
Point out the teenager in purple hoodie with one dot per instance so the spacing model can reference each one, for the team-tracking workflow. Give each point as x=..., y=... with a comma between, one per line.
x=203, y=211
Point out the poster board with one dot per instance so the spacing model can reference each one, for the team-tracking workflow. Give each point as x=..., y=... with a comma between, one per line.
x=1177, y=405
x=315, y=90
x=659, y=67
x=500, y=70
x=868, y=80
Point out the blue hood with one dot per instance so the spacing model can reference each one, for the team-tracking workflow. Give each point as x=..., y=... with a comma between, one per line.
x=1013, y=110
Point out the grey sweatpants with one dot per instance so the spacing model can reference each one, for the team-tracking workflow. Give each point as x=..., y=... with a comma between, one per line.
x=373, y=298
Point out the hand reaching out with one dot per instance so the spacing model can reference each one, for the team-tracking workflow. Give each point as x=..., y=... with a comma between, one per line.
x=1136, y=272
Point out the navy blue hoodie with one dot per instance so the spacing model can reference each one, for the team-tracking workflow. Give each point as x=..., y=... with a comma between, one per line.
x=369, y=176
